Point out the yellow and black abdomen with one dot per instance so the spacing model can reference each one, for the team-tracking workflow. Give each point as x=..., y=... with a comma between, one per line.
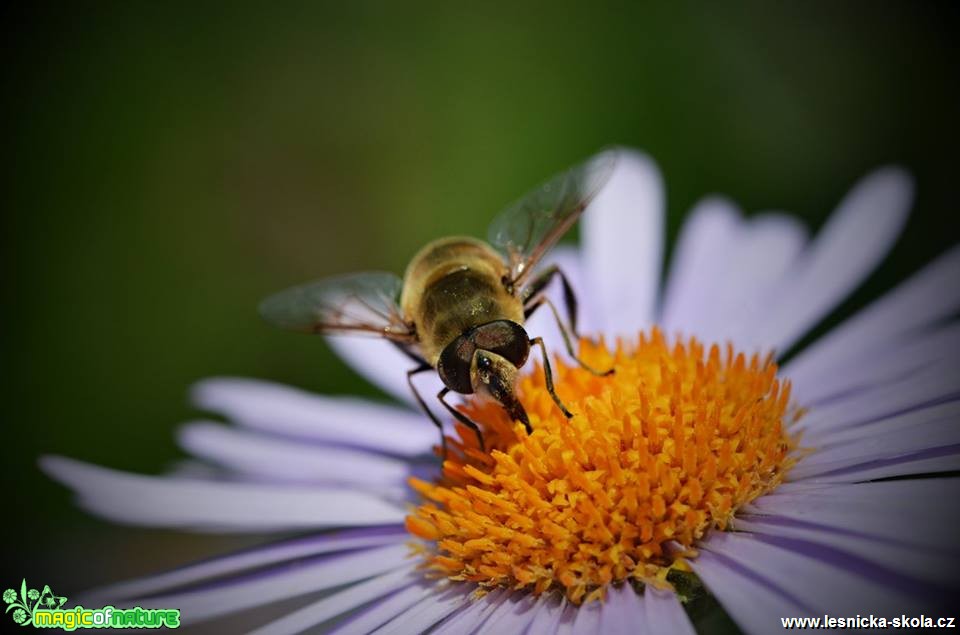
x=452, y=285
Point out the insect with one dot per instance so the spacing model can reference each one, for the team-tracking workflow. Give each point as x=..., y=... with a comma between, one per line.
x=462, y=303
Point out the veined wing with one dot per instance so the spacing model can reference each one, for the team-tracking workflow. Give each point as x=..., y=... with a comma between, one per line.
x=361, y=303
x=526, y=230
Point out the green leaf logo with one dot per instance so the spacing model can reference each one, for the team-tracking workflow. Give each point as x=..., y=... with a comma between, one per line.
x=23, y=604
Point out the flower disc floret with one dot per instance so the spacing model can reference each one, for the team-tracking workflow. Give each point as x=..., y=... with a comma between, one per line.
x=656, y=455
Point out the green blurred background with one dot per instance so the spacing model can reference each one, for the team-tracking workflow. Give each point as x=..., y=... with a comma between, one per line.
x=169, y=164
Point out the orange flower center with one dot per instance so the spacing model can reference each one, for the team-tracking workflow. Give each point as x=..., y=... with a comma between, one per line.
x=656, y=455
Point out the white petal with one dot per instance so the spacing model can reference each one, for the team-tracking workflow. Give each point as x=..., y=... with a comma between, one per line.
x=257, y=557
x=820, y=577
x=623, y=612
x=429, y=611
x=703, y=250
x=339, y=603
x=286, y=460
x=908, y=511
x=282, y=583
x=880, y=365
x=622, y=235
x=380, y=362
x=665, y=614
x=935, y=566
x=167, y=502
x=755, y=603
x=766, y=247
x=372, y=617
x=853, y=242
x=340, y=420
x=927, y=297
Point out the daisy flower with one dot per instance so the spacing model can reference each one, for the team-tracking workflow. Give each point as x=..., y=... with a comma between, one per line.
x=702, y=469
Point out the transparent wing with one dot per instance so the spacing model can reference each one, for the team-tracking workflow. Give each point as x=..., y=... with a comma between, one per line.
x=362, y=303
x=527, y=229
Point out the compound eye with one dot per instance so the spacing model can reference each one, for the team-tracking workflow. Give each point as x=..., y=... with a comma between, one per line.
x=505, y=338
x=454, y=365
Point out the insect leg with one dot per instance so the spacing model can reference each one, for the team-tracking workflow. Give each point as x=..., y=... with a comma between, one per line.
x=538, y=284
x=423, y=404
x=462, y=418
x=405, y=349
x=566, y=337
x=548, y=373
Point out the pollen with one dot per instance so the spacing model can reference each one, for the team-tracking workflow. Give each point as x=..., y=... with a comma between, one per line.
x=657, y=455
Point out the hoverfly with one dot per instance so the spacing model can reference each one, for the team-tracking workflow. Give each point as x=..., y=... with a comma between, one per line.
x=462, y=303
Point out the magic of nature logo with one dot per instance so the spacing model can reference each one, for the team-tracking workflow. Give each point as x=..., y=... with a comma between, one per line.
x=44, y=609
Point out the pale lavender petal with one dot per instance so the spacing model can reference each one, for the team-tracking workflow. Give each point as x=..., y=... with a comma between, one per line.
x=281, y=583
x=195, y=469
x=468, y=618
x=173, y=502
x=339, y=603
x=570, y=260
x=916, y=417
x=422, y=616
x=937, y=383
x=379, y=362
x=706, y=244
x=622, y=236
x=768, y=245
x=512, y=616
x=821, y=577
x=881, y=365
x=853, y=242
x=588, y=619
x=624, y=613
x=378, y=614
x=885, y=442
x=278, y=459
x=550, y=609
x=926, y=462
x=755, y=602
x=256, y=557
x=665, y=614
x=927, y=297
x=567, y=619
x=933, y=565
x=295, y=413
x=909, y=511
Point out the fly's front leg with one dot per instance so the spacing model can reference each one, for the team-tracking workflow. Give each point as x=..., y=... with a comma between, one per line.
x=566, y=336
x=530, y=294
x=462, y=418
x=548, y=374
x=423, y=405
